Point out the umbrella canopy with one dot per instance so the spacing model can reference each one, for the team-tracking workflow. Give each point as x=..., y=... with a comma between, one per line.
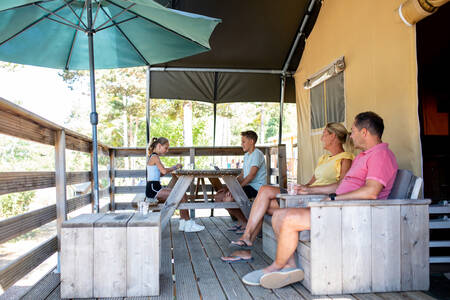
x=60, y=34
x=127, y=33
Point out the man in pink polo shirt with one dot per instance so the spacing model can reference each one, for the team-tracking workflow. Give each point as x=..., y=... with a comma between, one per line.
x=371, y=176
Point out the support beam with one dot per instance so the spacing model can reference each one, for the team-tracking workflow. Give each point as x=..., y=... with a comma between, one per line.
x=280, y=128
x=148, y=103
x=60, y=183
x=112, y=179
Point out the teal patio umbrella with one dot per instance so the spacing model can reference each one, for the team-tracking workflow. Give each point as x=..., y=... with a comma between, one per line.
x=73, y=34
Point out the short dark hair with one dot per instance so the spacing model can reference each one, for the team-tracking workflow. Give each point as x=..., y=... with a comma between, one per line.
x=371, y=121
x=250, y=134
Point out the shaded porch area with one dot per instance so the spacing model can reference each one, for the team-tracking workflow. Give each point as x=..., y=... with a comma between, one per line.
x=191, y=269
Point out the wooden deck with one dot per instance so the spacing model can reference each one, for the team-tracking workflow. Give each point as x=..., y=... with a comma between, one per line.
x=191, y=269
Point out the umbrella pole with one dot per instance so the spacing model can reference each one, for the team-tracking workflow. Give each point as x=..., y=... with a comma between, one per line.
x=94, y=115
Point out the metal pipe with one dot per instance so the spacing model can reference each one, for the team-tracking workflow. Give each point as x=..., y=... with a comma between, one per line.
x=215, y=122
x=94, y=115
x=299, y=34
x=147, y=112
x=280, y=129
x=220, y=70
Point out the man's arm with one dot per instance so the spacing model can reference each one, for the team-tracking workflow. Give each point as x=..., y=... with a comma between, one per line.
x=251, y=175
x=369, y=191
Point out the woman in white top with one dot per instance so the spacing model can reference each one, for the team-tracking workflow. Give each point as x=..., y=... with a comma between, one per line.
x=158, y=147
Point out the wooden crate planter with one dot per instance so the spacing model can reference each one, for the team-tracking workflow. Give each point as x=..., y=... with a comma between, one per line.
x=363, y=246
x=110, y=255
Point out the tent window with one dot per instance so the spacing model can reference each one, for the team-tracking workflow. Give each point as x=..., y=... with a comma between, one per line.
x=328, y=102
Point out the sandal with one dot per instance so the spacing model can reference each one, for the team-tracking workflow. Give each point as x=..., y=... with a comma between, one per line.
x=235, y=227
x=235, y=259
x=241, y=244
x=240, y=231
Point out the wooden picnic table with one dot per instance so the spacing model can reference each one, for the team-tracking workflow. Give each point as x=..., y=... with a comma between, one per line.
x=184, y=179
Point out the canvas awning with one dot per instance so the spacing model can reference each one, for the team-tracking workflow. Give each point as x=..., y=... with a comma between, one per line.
x=256, y=44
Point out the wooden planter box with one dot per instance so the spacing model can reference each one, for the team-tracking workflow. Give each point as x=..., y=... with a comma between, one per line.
x=363, y=246
x=110, y=255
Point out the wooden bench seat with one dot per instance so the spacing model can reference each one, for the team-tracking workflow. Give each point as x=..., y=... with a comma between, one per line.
x=362, y=246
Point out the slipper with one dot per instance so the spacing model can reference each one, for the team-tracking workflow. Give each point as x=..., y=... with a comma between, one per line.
x=242, y=245
x=284, y=277
x=235, y=227
x=253, y=278
x=235, y=259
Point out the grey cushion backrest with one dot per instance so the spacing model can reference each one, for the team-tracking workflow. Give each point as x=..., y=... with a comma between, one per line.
x=403, y=185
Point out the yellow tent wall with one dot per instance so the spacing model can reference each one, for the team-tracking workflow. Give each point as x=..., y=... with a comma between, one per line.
x=380, y=75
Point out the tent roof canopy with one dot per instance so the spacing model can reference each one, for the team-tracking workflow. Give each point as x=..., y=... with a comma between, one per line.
x=250, y=52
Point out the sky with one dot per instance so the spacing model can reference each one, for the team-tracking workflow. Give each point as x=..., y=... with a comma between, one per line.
x=41, y=91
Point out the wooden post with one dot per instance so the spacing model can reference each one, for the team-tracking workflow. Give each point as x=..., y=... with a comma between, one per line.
x=112, y=177
x=268, y=163
x=282, y=171
x=60, y=184
x=192, y=189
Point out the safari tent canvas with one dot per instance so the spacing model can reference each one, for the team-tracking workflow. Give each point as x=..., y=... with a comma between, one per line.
x=374, y=54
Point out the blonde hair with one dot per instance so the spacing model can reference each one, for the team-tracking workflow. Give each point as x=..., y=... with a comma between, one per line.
x=342, y=135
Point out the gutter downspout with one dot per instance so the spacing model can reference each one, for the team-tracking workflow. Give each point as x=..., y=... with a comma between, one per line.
x=412, y=11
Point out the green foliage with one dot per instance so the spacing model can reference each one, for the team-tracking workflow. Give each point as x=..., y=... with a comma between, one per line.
x=15, y=204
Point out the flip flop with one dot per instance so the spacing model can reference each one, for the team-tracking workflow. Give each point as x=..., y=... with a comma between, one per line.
x=240, y=231
x=284, y=277
x=242, y=246
x=235, y=259
x=235, y=227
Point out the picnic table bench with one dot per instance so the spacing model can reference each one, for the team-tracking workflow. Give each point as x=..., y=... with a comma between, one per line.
x=110, y=255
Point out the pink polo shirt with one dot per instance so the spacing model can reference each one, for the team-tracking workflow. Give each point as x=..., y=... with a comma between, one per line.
x=377, y=163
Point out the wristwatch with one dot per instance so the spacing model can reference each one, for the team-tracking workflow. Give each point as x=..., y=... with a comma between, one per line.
x=332, y=196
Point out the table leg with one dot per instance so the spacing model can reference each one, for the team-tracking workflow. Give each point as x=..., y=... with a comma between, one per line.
x=205, y=194
x=176, y=195
x=238, y=194
x=172, y=181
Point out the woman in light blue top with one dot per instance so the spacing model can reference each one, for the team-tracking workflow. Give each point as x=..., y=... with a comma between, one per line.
x=155, y=168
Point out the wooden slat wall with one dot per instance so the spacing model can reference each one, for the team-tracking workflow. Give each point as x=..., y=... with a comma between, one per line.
x=185, y=151
x=13, y=182
x=129, y=189
x=20, y=267
x=21, y=123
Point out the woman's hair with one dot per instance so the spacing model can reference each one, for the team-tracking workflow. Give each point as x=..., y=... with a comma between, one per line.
x=156, y=141
x=342, y=135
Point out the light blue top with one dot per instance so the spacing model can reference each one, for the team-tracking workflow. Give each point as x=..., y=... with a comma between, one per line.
x=256, y=158
x=153, y=173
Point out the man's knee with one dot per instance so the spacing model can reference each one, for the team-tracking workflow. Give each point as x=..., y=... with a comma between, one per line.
x=278, y=216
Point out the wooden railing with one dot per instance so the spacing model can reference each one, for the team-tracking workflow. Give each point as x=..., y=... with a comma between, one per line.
x=18, y=122
x=273, y=155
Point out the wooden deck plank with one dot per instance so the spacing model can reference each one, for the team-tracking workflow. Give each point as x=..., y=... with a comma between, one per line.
x=185, y=281
x=44, y=287
x=229, y=280
x=206, y=278
x=260, y=260
x=367, y=297
x=300, y=291
x=55, y=294
x=240, y=268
